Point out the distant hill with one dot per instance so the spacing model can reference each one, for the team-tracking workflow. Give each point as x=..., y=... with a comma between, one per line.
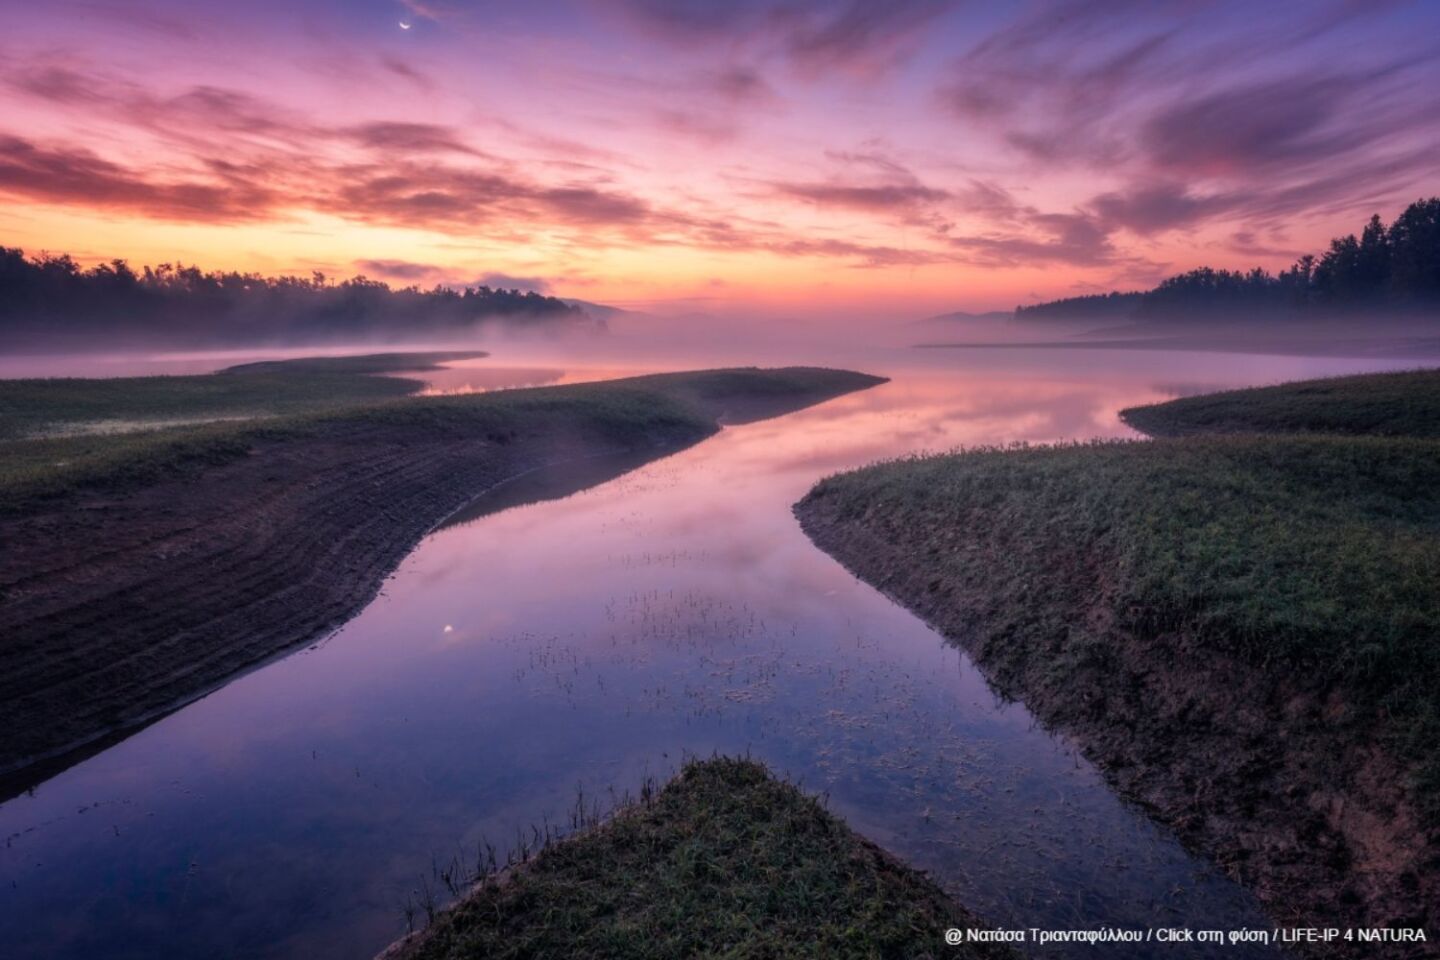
x=1391, y=268
x=1098, y=306
x=960, y=316
x=601, y=313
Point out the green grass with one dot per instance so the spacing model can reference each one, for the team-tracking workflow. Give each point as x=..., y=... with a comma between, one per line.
x=70, y=406
x=1315, y=557
x=33, y=409
x=725, y=861
x=47, y=468
x=625, y=411
x=1382, y=404
x=58, y=434
x=367, y=363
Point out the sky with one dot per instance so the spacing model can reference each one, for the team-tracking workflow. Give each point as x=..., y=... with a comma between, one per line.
x=846, y=157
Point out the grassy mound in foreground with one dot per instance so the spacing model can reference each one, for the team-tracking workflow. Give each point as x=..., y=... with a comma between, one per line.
x=1385, y=404
x=726, y=861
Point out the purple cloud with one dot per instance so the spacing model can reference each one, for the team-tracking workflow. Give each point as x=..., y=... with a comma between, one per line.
x=884, y=197
x=511, y=282
x=407, y=138
x=813, y=35
x=71, y=175
x=404, y=270
x=1151, y=208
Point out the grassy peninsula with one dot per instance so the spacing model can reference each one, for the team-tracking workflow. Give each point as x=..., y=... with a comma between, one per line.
x=1405, y=404
x=725, y=861
x=32, y=409
x=56, y=432
x=1239, y=622
x=143, y=568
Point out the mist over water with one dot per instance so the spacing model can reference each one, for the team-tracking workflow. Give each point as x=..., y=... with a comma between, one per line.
x=596, y=638
x=634, y=342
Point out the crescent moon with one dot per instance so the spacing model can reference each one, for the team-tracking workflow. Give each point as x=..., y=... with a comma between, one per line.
x=405, y=26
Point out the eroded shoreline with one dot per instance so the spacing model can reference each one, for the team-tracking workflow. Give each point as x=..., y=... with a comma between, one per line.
x=120, y=604
x=1292, y=780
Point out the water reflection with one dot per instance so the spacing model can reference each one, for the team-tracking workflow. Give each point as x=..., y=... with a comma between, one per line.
x=594, y=639
x=478, y=377
x=483, y=374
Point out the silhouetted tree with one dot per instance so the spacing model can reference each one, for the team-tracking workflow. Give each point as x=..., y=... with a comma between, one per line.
x=1415, y=253
x=1384, y=268
x=51, y=301
x=1096, y=306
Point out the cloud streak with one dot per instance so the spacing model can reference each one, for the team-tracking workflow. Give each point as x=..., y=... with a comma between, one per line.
x=813, y=36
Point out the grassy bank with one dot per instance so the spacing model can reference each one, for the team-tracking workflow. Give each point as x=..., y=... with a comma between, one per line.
x=60, y=432
x=1315, y=555
x=198, y=422
x=142, y=569
x=1405, y=404
x=71, y=406
x=1243, y=627
x=725, y=861
x=36, y=471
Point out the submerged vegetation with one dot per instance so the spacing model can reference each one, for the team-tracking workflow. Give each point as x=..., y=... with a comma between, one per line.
x=1300, y=563
x=1394, y=268
x=725, y=861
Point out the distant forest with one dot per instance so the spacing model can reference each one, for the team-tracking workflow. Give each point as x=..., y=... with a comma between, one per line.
x=1392, y=269
x=51, y=302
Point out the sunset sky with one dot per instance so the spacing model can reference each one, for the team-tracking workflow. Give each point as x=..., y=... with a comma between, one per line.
x=910, y=156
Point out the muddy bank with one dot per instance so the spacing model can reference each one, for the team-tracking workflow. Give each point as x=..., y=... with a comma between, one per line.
x=1280, y=779
x=122, y=599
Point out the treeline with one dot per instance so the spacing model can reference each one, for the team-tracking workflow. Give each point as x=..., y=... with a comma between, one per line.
x=51, y=302
x=1095, y=306
x=1385, y=268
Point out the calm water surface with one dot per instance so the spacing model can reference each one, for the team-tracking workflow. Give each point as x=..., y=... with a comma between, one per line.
x=599, y=638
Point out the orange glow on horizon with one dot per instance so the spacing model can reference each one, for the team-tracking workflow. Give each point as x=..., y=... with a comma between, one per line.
x=605, y=152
